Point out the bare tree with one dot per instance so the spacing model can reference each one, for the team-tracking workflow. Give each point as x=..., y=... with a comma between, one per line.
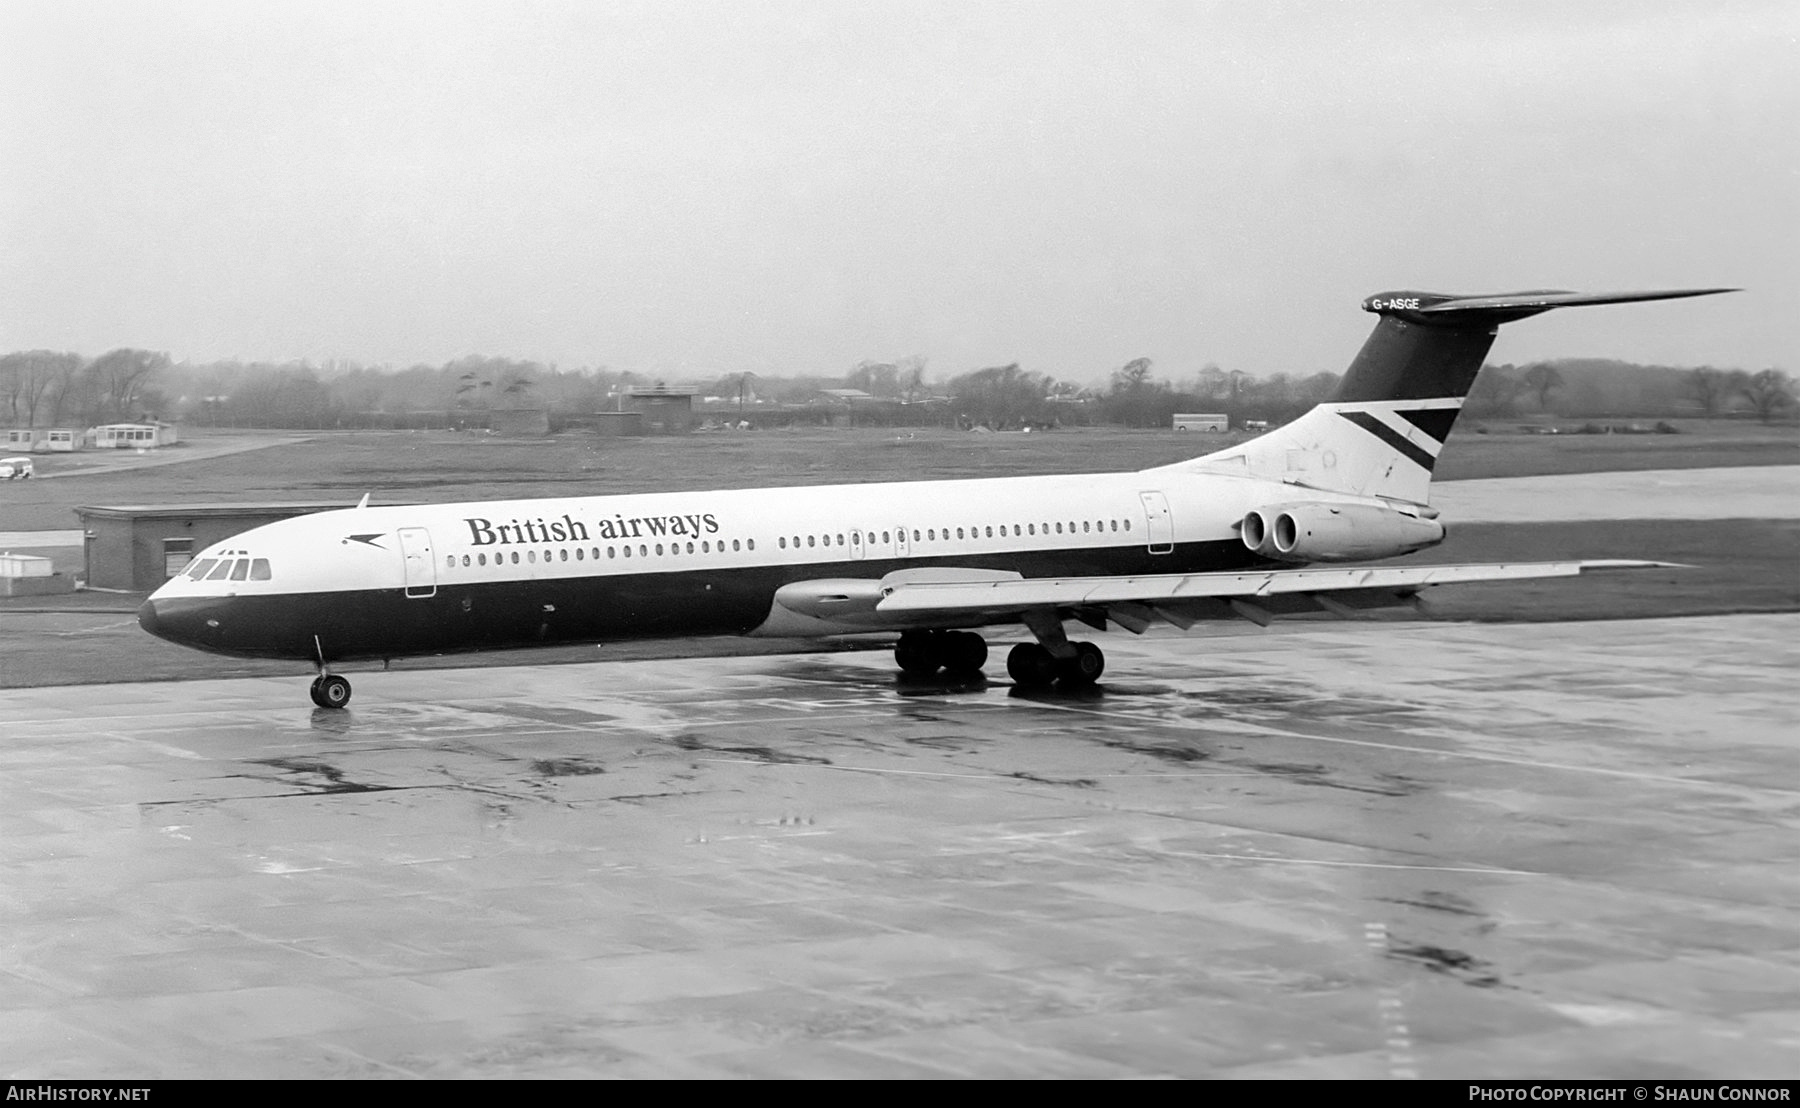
x=910, y=375
x=1542, y=379
x=1769, y=392
x=120, y=376
x=1714, y=387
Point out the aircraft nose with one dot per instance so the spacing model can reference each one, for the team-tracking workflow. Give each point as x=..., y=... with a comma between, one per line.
x=183, y=620
x=147, y=617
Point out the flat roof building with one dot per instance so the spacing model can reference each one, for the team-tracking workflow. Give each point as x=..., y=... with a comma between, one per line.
x=135, y=548
x=665, y=410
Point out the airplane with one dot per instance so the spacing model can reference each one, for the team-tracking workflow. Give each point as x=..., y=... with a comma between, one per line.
x=1254, y=531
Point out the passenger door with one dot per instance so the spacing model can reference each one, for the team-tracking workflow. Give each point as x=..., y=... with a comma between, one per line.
x=421, y=567
x=1159, y=523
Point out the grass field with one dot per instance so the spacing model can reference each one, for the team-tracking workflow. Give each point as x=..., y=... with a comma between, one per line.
x=1743, y=565
x=442, y=466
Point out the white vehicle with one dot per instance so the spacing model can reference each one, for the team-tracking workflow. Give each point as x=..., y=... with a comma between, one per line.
x=1225, y=536
x=15, y=469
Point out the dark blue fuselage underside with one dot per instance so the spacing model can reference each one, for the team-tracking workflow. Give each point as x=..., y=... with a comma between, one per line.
x=507, y=614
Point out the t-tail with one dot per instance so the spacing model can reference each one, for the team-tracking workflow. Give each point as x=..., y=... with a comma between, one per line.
x=1382, y=434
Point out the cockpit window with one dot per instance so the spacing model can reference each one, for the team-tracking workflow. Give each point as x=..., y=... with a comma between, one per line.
x=200, y=567
x=241, y=569
x=259, y=569
x=222, y=571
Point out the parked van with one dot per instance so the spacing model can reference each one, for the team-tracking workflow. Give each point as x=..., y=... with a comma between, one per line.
x=14, y=469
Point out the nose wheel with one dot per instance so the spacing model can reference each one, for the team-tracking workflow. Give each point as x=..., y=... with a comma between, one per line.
x=329, y=690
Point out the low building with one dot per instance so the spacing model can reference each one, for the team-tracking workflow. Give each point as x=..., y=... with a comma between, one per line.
x=666, y=409
x=135, y=436
x=39, y=440
x=135, y=548
x=30, y=575
x=526, y=422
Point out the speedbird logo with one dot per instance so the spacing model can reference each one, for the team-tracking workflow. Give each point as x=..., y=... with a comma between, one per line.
x=483, y=532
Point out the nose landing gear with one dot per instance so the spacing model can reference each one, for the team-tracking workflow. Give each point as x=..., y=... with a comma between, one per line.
x=330, y=690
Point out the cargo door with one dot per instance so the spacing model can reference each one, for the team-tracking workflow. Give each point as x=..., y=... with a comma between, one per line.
x=421, y=567
x=1158, y=523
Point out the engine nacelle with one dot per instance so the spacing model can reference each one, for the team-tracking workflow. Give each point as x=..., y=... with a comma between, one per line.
x=1337, y=532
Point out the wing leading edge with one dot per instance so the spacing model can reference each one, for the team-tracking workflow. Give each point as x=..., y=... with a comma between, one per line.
x=1135, y=603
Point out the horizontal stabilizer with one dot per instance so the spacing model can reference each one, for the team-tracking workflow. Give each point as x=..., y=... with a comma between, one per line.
x=1485, y=311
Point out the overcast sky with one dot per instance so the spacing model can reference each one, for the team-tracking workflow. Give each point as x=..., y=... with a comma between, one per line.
x=689, y=188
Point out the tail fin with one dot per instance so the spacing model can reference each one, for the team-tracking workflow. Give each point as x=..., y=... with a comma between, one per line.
x=1381, y=435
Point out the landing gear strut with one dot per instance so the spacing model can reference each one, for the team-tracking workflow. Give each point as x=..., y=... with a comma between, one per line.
x=958, y=653
x=329, y=690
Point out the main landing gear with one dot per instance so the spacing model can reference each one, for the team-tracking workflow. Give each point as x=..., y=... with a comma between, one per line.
x=330, y=690
x=958, y=653
x=1031, y=665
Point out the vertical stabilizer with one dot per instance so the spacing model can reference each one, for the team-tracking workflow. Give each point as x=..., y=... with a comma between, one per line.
x=1382, y=434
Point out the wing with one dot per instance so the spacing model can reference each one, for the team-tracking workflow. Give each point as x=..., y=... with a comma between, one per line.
x=1135, y=603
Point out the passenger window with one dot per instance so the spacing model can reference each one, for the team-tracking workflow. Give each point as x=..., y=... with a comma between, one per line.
x=610, y=551
x=931, y=533
x=1084, y=526
x=564, y=556
x=628, y=552
x=1115, y=525
x=579, y=553
x=959, y=533
x=531, y=556
x=659, y=550
x=784, y=542
x=810, y=541
x=915, y=536
x=259, y=570
x=990, y=532
x=220, y=571
x=515, y=557
x=481, y=559
x=751, y=543
x=690, y=548
x=1032, y=527
x=734, y=544
x=840, y=540
x=1128, y=525
x=200, y=568
x=643, y=551
x=465, y=559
